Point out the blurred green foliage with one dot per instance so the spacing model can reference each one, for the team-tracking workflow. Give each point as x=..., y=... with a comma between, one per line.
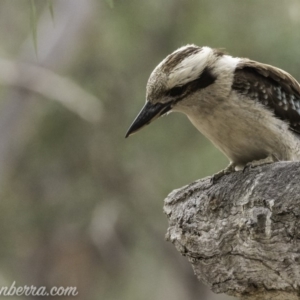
x=80, y=205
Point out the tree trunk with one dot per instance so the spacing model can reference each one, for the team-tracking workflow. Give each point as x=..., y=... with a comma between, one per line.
x=241, y=234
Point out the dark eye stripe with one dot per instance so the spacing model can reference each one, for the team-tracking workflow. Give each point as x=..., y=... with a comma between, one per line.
x=177, y=91
x=205, y=79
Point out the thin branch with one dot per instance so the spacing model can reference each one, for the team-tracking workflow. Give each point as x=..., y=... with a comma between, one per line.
x=52, y=86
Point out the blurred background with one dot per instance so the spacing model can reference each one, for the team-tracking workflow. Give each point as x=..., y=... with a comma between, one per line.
x=80, y=205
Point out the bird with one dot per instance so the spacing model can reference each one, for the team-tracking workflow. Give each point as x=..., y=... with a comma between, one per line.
x=249, y=110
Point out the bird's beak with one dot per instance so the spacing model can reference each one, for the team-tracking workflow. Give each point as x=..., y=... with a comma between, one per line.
x=149, y=113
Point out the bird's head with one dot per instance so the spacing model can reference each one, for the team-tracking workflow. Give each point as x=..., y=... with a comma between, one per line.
x=174, y=80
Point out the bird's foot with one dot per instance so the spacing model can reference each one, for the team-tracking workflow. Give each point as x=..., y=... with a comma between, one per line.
x=229, y=169
x=256, y=163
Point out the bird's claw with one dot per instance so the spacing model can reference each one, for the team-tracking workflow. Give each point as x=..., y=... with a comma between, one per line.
x=256, y=163
x=229, y=169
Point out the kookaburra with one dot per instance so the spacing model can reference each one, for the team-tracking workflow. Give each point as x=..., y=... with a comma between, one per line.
x=249, y=110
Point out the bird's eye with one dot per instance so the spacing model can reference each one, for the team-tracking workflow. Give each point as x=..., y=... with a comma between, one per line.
x=177, y=91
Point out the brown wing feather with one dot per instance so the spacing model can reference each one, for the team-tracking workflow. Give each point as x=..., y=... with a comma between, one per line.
x=273, y=87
